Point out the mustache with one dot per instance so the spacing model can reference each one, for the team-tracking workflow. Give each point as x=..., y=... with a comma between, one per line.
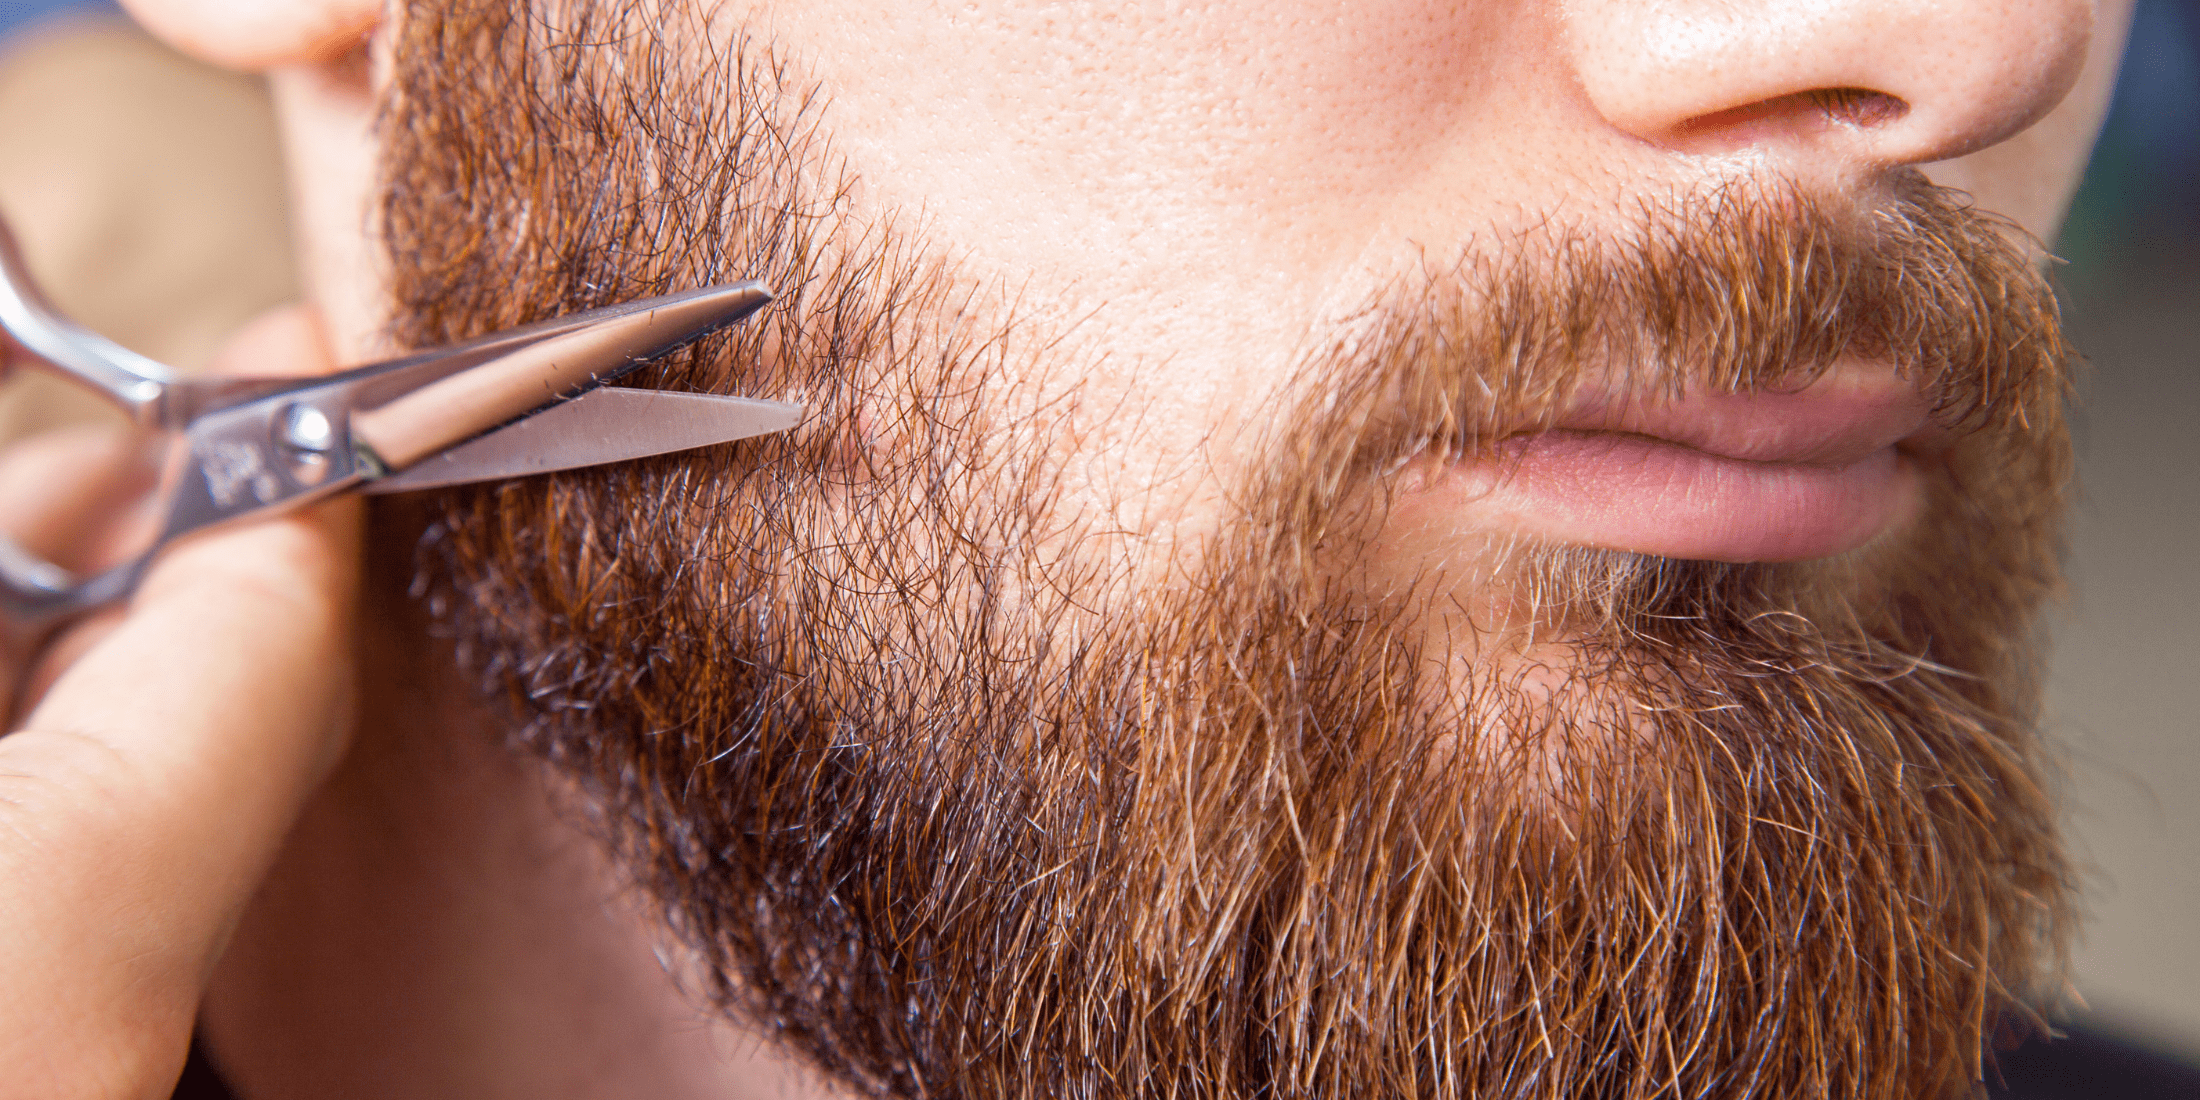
x=946, y=839
x=1751, y=287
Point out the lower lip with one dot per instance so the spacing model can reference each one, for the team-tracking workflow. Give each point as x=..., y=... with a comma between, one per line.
x=1627, y=492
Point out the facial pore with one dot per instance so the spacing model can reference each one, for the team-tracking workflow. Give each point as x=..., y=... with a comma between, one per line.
x=965, y=785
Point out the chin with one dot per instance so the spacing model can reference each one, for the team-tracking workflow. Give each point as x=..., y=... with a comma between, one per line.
x=1395, y=783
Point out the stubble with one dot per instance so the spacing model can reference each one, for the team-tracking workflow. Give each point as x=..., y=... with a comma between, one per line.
x=958, y=802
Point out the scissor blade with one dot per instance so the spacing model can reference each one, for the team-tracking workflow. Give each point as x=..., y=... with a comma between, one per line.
x=603, y=425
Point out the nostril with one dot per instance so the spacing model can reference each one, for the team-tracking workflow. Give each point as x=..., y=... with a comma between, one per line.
x=1859, y=107
x=1797, y=114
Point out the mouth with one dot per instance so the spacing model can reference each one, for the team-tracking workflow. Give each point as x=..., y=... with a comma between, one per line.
x=1752, y=477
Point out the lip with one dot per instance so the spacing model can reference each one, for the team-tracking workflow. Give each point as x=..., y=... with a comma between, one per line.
x=1757, y=477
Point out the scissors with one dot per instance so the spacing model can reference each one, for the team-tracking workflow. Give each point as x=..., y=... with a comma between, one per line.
x=524, y=401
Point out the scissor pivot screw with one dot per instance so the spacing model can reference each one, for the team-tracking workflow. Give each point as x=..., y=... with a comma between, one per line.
x=308, y=429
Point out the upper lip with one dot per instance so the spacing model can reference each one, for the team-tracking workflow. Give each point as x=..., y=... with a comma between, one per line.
x=1839, y=418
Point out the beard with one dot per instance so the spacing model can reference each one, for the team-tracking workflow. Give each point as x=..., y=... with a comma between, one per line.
x=963, y=785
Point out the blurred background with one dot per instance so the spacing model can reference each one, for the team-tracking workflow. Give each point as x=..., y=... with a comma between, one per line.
x=168, y=264
x=2124, y=690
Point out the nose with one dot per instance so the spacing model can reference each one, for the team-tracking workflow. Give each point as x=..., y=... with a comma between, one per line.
x=1882, y=81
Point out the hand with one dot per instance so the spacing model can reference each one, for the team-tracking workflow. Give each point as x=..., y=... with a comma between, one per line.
x=166, y=749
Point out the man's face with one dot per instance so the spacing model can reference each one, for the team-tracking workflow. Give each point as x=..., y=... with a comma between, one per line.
x=1339, y=548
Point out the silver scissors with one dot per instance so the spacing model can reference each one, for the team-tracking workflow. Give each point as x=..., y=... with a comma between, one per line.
x=524, y=401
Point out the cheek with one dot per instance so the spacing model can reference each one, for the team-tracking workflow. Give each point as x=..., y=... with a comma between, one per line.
x=2031, y=177
x=850, y=448
x=1122, y=124
x=1207, y=178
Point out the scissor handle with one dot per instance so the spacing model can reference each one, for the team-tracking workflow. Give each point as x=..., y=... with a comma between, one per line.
x=257, y=446
x=37, y=599
x=131, y=381
x=250, y=459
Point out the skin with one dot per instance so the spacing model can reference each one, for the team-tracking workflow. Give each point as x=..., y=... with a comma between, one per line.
x=164, y=752
x=431, y=926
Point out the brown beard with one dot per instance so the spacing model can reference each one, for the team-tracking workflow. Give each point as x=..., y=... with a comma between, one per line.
x=953, y=799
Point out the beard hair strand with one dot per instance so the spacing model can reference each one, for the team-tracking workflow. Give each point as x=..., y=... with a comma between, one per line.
x=950, y=802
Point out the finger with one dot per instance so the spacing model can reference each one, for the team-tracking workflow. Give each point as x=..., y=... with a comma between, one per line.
x=84, y=498
x=44, y=668
x=288, y=341
x=56, y=491
x=60, y=491
x=150, y=788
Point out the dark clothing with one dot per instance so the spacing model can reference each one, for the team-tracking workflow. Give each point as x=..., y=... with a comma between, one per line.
x=2088, y=1065
x=2082, y=1065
